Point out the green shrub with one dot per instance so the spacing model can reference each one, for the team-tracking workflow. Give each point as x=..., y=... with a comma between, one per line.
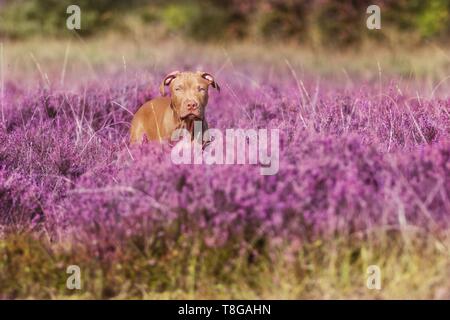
x=332, y=22
x=284, y=20
x=22, y=18
x=198, y=20
x=434, y=20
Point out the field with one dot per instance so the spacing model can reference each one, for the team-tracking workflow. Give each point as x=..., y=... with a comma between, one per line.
x=364, y=174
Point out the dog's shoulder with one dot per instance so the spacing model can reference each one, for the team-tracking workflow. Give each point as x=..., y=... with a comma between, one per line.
x=157, y=103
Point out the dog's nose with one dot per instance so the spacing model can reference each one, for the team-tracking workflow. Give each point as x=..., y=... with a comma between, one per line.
x=192, y=105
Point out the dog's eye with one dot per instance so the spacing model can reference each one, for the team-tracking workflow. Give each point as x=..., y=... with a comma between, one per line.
x=177, y=89
x=201, y=89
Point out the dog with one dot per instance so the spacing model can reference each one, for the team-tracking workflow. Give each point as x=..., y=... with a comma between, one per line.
x=158, y=118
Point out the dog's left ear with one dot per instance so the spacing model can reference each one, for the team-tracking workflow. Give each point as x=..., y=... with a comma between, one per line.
x=167, y=80
x=211, y=80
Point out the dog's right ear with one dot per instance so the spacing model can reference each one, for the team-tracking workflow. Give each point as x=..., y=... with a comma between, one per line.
x=167, y=80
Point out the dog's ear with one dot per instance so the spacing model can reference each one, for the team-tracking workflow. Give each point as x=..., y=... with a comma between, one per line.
x=211, y=80
x=167, y=80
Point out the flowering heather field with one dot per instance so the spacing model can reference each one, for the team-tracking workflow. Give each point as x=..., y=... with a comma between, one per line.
x=364, y=179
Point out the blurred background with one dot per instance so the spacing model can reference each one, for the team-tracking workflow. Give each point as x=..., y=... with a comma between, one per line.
x=260, y=38
x=305, y=22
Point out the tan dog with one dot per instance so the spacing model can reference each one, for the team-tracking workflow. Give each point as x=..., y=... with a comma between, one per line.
x=159, y=117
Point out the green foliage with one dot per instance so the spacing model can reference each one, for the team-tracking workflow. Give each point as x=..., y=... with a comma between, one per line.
x=194, y=19
x=283, y=20
x=22, y=18
x=332, y=22
x=340, y=23
x=434, y=19
x=427, y=18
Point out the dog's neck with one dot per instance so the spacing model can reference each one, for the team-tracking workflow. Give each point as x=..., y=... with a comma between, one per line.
x=189, y=125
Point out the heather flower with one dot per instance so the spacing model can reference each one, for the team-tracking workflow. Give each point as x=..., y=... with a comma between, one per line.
x=350, y=161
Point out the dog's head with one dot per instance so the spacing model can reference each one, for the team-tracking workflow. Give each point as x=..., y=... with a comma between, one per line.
x=189, y=93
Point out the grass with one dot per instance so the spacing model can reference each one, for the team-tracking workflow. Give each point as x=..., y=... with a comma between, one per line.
x=336, y=269
x=429, y=63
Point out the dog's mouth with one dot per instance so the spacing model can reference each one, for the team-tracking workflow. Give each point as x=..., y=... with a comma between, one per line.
x=191, y=117
x=188, y=122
